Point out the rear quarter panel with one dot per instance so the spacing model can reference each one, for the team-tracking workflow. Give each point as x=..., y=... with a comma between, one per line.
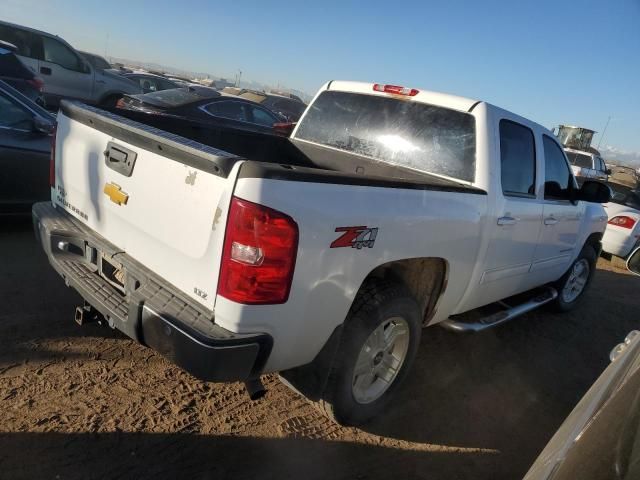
x=410, y=223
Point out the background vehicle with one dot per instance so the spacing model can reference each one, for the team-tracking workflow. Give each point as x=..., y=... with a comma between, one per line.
x=64, y=70
x=204, y=103
x=288, y=107
x=16, y=74
x=623, y=230
x=25, y=146
x=311, y=260
x=587, y=165
x=152, y=83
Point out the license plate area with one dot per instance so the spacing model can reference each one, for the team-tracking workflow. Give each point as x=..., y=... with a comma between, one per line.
x=113, y=272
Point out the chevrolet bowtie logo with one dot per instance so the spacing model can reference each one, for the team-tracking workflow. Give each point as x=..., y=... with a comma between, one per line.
x=115, y=193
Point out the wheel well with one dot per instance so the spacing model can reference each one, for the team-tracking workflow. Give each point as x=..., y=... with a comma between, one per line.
x=424, y=277
x=595, y=240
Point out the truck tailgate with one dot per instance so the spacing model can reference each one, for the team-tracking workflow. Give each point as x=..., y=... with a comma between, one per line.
x=161, y=198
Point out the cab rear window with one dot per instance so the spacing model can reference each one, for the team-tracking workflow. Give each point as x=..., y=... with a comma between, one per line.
x=406, y=133
x=579, y=160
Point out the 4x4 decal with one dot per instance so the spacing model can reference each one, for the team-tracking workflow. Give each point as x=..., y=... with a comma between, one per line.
x=355, y=237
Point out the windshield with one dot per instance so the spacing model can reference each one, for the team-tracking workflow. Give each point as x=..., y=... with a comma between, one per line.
x=579, y=159
x=177, y=97
x=405, y=133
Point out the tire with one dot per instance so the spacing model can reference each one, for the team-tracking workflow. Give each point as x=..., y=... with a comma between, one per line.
x=565, y=300
x=387, y=309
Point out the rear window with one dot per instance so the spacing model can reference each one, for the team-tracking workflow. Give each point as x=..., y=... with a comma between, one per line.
x=579, y=160
x=177, y=97
x=409, y=134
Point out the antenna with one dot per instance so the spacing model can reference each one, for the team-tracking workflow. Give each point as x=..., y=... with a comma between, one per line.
x=603, y=132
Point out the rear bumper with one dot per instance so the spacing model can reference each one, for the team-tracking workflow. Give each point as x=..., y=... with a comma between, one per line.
x=619, y=242
x=148, y=309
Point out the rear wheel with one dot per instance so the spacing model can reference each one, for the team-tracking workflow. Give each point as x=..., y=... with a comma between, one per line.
x=379, y=343
x=573, y=284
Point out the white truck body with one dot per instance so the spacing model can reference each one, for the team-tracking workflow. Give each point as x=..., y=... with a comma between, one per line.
x=491, y=244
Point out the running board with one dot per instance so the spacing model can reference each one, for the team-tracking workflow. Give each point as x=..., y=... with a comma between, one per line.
x=548, y=295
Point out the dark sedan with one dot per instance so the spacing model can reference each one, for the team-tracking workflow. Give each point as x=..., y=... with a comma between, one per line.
x=206, y=104
x=25, y=145
x=18, y=75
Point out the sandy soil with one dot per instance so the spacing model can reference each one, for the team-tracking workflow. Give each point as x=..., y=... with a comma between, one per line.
x=87, y=402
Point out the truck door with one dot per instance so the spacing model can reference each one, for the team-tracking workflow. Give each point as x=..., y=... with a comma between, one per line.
x=65, y=74
x=518, y=218
x=561, y=216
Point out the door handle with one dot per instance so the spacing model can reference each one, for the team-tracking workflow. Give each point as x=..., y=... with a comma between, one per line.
x=507, y=221
x=100, y=82
x=45, y=70
x=550, y=221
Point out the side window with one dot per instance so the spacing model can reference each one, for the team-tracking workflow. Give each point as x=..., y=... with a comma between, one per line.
x=166, y=85
x=601, y=164
x=58, y=53
x=232, y=110
x=28, y=44
x=558, y=180
x=13, y=115
x=517, y=159
x=147, y=84
x=262, y=117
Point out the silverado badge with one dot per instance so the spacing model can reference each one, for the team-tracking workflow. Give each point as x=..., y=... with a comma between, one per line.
x=115, y=193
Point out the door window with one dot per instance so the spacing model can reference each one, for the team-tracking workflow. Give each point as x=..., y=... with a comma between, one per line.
x=262, y=117
x=28, y=44
x=232, y=110
x=13, y=116
x=517, y=159
x=558, y=180
x=60, y=54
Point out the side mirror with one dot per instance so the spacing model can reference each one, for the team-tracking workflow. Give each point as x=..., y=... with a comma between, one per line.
x=608, y=171
x=633, y=263
x=595, y=192
x=41, y=125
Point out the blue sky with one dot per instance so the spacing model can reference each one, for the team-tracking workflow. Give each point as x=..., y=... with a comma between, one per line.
x=552, y=61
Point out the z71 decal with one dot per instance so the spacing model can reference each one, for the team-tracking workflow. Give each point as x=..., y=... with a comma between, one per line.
x=355, y=237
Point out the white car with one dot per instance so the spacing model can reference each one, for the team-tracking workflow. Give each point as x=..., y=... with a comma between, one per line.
x=623, y=228
x=395, y=209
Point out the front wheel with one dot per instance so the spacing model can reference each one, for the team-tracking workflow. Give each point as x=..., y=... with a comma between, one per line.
x=379, y=343
x=573, y=284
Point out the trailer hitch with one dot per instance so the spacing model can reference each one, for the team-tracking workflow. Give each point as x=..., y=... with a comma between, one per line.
x=87, y=314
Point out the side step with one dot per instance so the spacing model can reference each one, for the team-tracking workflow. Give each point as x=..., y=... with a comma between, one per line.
x=546, y=296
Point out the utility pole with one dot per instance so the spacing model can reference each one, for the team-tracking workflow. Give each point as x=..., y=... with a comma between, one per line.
x=239, y=77
x=603, y=132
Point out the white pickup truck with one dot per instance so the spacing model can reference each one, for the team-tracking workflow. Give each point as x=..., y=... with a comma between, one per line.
x=413, y=209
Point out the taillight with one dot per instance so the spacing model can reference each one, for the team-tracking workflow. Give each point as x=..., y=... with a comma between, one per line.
x=259, y=254
x=622, y=221
x=37, y=83
x=395, y=89
x=283, y=128
x=52, y=158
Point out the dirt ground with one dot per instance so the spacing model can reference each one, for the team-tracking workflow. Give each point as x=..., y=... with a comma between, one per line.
x=87, y=402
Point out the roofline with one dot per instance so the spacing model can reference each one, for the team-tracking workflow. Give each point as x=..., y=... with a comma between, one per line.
x=33, y=30
x=454, y=102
